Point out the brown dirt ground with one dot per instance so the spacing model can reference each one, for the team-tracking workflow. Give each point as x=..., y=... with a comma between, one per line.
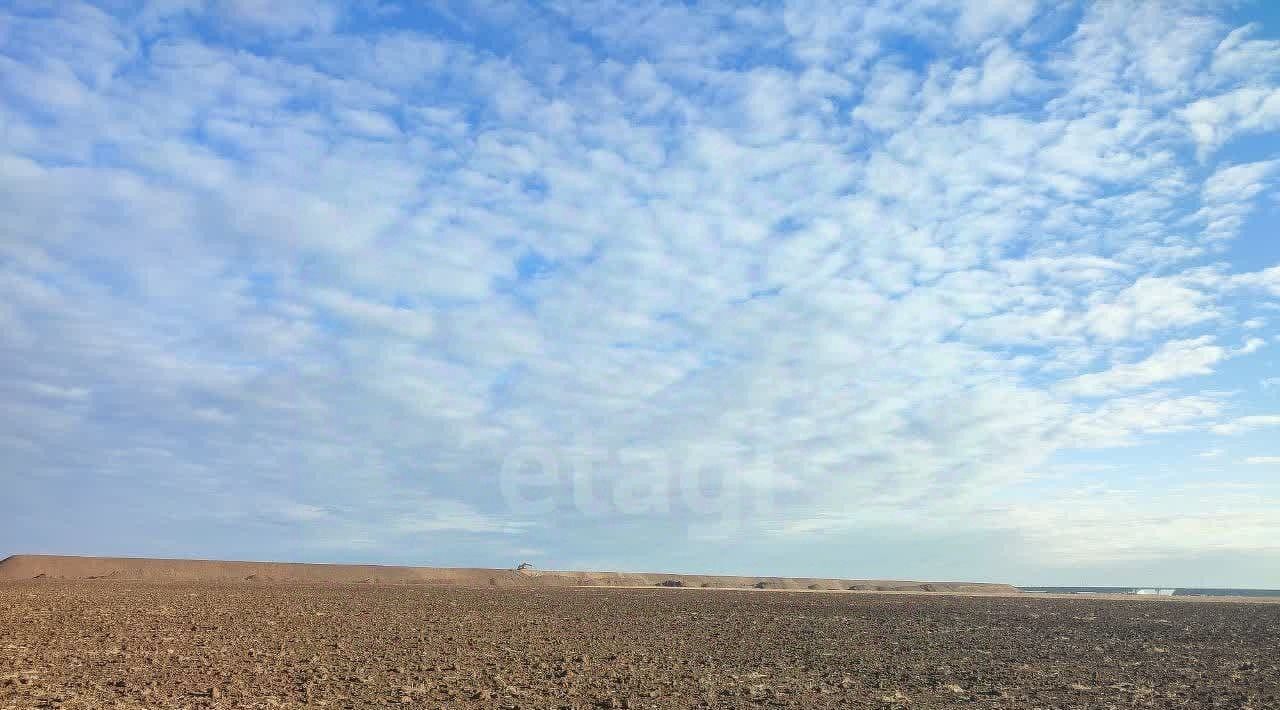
x=71, y=567
x=131, y=644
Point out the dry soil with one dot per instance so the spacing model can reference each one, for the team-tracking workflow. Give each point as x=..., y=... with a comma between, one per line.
x=134, y=644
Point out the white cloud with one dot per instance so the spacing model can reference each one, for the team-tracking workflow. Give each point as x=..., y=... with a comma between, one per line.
x=1214, y=121
x=1123, y=421
x=1118, y=525
x=1173, y=360
x=1267, y=280
x=981, y=20
x=369, y=123
x=1003, y=74
x=402, y=321
x=449, y=516
x=1228, y=196
x=888, y=98
x=1238, y=183
x=1252, y=345
x=1149, y=305
x=299, y=512
x=1263, y=460
x=1237, y=56
x=72, y=394
x=1247, y=424
x=280, y=17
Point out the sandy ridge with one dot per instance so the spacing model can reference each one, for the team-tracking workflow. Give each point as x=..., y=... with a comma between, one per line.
x=19, y=567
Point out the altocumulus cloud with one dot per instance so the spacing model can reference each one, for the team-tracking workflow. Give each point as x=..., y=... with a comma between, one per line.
x=306, y=278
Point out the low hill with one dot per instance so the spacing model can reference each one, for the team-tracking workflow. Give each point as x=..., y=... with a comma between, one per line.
x=20, y=567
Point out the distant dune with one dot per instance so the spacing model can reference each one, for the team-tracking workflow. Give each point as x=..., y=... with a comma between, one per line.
x=20, y=567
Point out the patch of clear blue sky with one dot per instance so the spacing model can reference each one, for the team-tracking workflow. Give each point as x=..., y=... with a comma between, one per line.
x=1257, y=245
x=1265, y=13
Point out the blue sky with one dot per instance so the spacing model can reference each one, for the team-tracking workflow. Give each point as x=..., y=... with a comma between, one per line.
x=893, y=289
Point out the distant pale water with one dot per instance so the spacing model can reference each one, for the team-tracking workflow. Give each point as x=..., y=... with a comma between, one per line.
x=1159, y=591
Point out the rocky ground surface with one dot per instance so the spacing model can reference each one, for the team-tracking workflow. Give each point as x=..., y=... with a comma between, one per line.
x=200, y=645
